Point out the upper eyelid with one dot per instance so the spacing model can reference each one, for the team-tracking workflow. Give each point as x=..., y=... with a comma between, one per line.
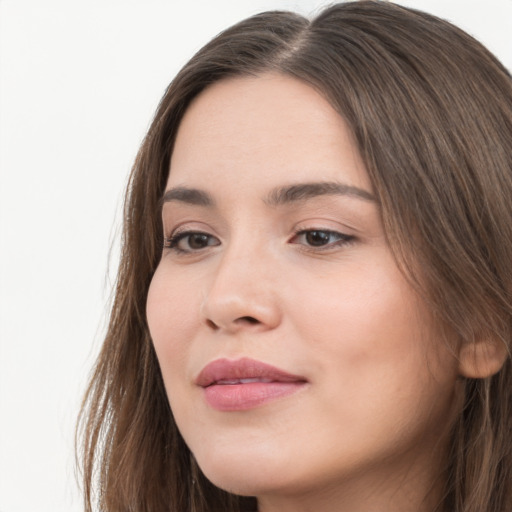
x=326, y=225
x=186, y=232
x=186, y=226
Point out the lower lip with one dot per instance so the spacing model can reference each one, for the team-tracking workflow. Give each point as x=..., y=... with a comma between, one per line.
x=241, y=397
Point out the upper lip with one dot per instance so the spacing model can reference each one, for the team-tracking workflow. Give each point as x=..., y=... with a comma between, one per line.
x=222, y=370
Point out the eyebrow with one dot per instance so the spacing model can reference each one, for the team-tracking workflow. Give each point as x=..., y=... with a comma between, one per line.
x=187, y=195
x=304, y=191
x=277, y=197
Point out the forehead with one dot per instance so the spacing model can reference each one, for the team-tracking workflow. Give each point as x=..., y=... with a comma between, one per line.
x=272, y=128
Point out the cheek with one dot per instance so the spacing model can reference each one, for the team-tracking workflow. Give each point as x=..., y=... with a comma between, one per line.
x=364, y=312
x=172, y=311
x=372, y=337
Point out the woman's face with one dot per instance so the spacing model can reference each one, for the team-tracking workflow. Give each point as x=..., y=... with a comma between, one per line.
x=295, y=355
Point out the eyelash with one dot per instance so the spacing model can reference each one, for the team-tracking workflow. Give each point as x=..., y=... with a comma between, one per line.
x=172, y=242
x=342, y=239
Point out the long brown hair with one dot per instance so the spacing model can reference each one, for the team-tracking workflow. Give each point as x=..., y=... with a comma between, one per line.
x=431, y=111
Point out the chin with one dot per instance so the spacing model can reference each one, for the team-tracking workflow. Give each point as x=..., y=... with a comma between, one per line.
x=240, y=484
x=244, y=474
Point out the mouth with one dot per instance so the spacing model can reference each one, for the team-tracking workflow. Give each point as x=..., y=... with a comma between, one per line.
x=244, y=384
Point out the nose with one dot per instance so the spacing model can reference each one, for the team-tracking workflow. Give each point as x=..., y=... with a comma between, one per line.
x=242, y=294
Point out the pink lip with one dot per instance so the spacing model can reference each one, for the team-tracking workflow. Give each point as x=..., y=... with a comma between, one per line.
x=245, y=383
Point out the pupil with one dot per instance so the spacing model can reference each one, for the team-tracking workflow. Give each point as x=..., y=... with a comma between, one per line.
x=198, y=241
x=317, y=238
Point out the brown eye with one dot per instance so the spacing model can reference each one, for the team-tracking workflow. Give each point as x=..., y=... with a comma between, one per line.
x=190, y=241
x=198, y=240
x=321, y=238
x=318, y=238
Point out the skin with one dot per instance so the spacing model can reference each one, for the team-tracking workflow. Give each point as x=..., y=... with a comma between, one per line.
x=369, y=430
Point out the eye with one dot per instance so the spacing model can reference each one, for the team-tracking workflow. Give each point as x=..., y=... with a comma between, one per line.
x=190, y=241
x=321, y=238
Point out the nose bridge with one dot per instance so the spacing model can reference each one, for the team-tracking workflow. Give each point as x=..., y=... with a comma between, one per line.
x=242, y=292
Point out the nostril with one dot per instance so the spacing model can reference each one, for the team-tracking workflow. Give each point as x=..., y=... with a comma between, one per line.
x=211, y=324
x=235, y=325
x=248, y=319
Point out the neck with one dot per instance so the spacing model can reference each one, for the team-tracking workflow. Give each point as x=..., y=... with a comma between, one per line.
x=414, y=487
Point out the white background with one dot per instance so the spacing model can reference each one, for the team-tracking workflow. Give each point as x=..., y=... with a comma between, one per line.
x=79, y=81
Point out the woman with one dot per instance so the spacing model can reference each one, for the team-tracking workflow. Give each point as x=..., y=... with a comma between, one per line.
x=314, y=302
